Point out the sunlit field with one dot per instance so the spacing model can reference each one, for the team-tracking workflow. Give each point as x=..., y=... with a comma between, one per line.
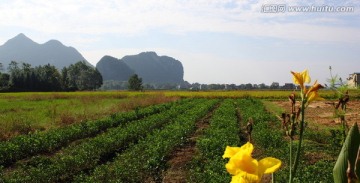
x=159, y=136
x=21, y=113
x=261, y=94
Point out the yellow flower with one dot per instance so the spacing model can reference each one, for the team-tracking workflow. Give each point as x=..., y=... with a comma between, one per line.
x=315, y=87
x=312, y=93
x=246, y=169
x=301, y=77
x=309, y=94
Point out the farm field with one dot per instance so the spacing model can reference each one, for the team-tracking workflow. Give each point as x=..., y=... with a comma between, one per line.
x=156, y=136
x=322, y=113
x=22, y=113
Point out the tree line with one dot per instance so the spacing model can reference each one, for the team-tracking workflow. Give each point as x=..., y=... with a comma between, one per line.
x=24, y=77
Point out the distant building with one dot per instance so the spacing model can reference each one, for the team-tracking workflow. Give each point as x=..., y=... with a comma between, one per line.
x=353, y=80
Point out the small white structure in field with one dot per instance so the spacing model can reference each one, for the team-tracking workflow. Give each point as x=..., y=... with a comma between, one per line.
x=354, y=80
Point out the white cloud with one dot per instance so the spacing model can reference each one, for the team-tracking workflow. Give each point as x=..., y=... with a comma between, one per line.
x=92, y=26
x=138, y=17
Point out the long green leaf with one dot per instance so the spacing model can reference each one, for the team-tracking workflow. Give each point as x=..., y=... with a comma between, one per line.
x=348, y=154
x=357, y=169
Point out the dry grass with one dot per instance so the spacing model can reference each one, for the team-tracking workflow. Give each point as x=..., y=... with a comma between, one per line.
x=23, y=113
x=261, y=94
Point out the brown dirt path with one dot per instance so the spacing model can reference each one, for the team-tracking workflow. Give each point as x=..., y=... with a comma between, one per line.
x=182, y=156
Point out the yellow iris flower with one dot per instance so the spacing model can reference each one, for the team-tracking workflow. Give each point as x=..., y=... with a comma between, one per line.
x=301, y=78
x=311, y=94
x=246, y=169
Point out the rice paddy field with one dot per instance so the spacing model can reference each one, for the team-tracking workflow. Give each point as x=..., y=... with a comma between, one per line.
x=158, y=136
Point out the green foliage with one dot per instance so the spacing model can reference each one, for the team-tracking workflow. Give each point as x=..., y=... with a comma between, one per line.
x=135, y=146
x=337, y=85
x=4, y=81
x=208, y=165
x=79, y=76
x=135, y=83
x=26, y=145
x=265, y=132
x=91, y=152
x=348, y=156
x=318, y=172
x=147, y=159
x=336, y=139
x=318, y=135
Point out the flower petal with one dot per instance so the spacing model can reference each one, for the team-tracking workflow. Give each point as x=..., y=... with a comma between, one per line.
x=269, y=165
x=230, y=151
x=301, y=77
x=313, y=96
x=305, y=76
x=242, y=162
x=232, y=168
x=297, y=78
x=247, y=148
x=236, y=179
x=315, y=87
x=240, y=159
x=245, y=178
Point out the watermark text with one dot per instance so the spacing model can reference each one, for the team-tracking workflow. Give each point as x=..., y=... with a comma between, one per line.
x=282, y=8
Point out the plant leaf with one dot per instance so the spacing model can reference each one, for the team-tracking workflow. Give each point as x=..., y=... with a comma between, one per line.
x=348, y=154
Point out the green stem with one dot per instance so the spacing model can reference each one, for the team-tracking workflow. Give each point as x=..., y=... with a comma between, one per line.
x=290, y=163
x=297, y=156
x=272, y=178
x=343, y=129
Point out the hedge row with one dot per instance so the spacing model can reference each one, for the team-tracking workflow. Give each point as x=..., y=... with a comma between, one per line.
x=91, y=152
x=43, y=142
x=267, y=134
x=146, y=160
x=263, y=134
x=208, y=165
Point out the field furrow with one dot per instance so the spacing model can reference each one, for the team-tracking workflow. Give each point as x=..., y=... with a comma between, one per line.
x=90, y=153
x=208, y=164
x=146, y=160
x=180, y=158
x=44, y=142
x=179, y=141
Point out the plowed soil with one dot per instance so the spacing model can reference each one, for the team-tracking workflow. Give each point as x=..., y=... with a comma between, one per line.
x=322, y=112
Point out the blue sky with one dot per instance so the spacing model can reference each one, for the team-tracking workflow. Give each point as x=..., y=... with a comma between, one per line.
x=218, y=41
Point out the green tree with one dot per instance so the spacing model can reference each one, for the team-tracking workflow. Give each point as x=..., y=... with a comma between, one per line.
x=45, y=78
x=135, y=83
x=81, y=76
x=64, y=79
x=23, y=77
x=4, y=81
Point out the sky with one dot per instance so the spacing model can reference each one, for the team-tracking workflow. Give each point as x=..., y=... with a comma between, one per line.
x=217, y=41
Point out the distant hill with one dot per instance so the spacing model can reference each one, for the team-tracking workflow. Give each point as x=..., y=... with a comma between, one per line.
x=23, y=49
x=155, y=69
x=113, y=69
x=148, y=65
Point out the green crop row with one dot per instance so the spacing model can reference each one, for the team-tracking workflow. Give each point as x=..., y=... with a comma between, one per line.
x=91, y=152
x=268, y=136
x=146, y=160
x=43, y=142
x=266, y=133
x=208, y=165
